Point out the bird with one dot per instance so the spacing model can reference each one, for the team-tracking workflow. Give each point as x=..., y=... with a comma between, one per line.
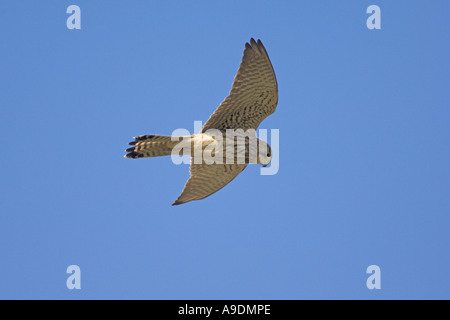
x=253, y=97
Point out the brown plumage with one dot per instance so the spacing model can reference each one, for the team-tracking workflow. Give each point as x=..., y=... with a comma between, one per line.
x=150, y=146
x=253, y=97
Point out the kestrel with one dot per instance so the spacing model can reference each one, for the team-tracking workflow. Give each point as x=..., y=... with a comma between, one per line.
x=253, y=97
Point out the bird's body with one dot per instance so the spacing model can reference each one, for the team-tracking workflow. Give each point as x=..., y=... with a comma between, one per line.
x=227, y=142
x=210, y=146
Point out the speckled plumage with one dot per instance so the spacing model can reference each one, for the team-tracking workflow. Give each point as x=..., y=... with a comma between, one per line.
x=253, y=97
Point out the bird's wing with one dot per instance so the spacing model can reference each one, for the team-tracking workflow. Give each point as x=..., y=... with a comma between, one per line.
x=206, y=179
x=253, y=95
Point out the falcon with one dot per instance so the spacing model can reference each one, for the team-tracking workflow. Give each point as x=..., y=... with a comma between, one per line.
x=253, y=97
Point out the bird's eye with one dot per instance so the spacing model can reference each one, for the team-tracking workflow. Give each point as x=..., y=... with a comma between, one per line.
x=268, y=154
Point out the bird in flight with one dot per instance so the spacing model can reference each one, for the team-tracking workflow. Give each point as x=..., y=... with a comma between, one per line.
x=253, y=97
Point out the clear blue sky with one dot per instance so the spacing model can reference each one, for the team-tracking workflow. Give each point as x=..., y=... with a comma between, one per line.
x=364, y=151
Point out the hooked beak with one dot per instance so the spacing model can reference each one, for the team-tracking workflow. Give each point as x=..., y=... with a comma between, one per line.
x=264, y=165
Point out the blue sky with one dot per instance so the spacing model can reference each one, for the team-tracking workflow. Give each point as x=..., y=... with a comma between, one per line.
x=364, y=180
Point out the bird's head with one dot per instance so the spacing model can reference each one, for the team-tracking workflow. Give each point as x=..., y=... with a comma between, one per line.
x=264, y=153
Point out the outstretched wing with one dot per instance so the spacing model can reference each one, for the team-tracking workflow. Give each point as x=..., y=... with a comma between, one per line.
x=206, y=179
x=253, y=96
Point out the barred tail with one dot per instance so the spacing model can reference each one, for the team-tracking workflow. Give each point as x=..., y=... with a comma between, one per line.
x=151, y=146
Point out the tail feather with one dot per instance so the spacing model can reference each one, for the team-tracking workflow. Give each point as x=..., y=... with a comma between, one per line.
x=150, y=146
